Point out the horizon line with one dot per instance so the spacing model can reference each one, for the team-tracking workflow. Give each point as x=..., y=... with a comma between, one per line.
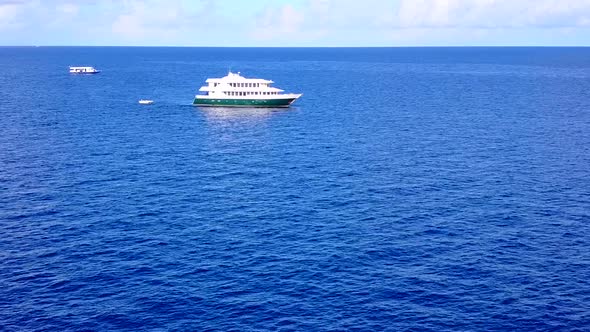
x=343, y=46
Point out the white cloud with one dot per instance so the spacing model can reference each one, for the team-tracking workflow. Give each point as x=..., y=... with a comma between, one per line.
x=331, y=22
x=9, y=12
x=68, y=8
x=20, y=14
x=492, y=13
x=175, y=22
x=282, y=22
x=295, y=22
x=140, y=20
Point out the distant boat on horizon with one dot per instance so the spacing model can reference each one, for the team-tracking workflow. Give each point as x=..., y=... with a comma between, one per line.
x=83, y=70
x=235, y=90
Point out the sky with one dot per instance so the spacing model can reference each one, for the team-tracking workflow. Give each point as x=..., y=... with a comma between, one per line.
x=326, y=23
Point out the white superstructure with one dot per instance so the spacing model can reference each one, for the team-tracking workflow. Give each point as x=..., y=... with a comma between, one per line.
x=234, y=87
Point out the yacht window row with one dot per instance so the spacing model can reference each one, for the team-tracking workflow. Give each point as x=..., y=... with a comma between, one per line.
x=256, y=93
x=243, y=85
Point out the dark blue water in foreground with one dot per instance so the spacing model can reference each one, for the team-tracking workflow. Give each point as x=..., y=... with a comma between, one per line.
x=408, y=189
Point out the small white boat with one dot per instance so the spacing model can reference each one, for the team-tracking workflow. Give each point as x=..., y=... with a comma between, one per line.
x=146, y=101
x=83, y=70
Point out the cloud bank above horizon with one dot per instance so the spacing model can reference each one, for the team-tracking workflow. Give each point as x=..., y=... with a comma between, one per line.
x=295, y=22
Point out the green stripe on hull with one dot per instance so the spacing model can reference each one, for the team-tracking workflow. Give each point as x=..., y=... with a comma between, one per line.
x=243, y=102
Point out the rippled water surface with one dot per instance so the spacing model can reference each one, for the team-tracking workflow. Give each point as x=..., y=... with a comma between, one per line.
x=408, y=189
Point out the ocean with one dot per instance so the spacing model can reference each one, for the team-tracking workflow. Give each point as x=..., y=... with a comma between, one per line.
x=408, y=189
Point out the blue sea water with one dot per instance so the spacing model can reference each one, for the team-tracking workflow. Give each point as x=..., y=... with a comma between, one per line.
x=409, y=189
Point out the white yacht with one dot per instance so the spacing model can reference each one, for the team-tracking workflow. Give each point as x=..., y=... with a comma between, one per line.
x=238, y=91
x=83, y=70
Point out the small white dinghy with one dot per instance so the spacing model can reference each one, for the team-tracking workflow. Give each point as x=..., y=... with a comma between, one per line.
x=146, y=101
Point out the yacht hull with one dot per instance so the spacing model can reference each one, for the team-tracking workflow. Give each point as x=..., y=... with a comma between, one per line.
x=230, y=102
